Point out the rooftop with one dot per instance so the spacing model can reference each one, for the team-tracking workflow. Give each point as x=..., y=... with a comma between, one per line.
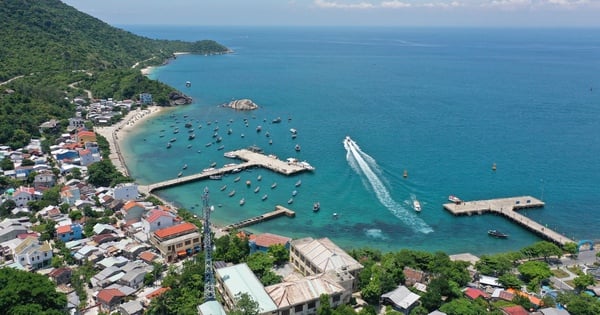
x=268, y=239
x=325, y=254
x=301, y=290
x=179, y=229
x=240, y=279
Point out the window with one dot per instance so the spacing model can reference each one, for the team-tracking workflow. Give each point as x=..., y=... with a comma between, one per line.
x=196, y=240
x=179, y=245
x=158, y=223
x=45, y=254
x=188, y=242
x=298, y=308
x=285, y=312
x=311, y=305
x=336, y=298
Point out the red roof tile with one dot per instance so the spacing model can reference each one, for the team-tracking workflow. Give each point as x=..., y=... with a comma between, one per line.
x=107, y=295
x=268, y=239
x=532, y=299
x=63, y=229
x=176, y=229
x=86, y=133
x=475, y=293
x=155, y=214
x=147, y=256
x=515, y=310
x=157, y=292
x=130, y=204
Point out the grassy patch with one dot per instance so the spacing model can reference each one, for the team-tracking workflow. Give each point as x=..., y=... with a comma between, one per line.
x=575, y=270
x=560, y=273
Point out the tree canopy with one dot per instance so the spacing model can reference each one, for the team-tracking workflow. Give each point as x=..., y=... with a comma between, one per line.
x=23, y=292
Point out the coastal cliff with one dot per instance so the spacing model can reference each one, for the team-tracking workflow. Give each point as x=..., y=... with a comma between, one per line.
x=243, y=104
x=177, y=98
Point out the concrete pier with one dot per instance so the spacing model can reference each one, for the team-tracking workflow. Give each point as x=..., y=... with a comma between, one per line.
x=252, y=159
x=279, y=211
x=508, y=207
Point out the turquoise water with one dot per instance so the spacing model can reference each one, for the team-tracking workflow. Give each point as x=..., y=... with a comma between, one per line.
x=443, y=104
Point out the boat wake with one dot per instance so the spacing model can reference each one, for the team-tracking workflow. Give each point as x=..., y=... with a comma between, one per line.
x=365, y=165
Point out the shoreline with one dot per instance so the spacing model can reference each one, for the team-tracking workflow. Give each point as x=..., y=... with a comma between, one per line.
x=115, y=134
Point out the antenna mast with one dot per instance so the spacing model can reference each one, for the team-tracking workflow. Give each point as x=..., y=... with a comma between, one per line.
x=209, y=274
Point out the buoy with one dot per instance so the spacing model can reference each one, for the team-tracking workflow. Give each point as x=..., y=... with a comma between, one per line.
x=494, y=167
x=405, y=174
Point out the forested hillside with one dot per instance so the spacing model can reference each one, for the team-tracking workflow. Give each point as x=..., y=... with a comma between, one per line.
x=48, y=45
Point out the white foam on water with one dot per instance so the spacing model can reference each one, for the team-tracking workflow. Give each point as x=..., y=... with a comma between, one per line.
x=365, y=165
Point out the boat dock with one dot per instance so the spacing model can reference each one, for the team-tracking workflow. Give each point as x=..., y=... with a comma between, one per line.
x=508, y=207
x=279, y=211
x=251, y=159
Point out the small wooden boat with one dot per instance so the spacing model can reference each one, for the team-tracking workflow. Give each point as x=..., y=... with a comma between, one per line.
x=259, y=178
x=185, y=166
x=264, y=197
x=298, y=183
x=224, y=187
x=290, y=201
x=237, y=179
x=257, y=189
x=213, y=164
x=294, y=193
x=180, y=174
x=273, y=185
x=231, y=193
x=497, y=234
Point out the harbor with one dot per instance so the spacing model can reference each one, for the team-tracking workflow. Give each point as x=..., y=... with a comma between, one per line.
x=251, y=159
x=508, y=208
x=279, y=211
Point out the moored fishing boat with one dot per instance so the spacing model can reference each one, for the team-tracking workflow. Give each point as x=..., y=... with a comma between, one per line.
x=298, y=183
x=290, y=201
x=264, y=197
x=454, y=199
x=497, y=234
x=242, y=201
x=257, y=189
x=224, y=187
x=273, y=185
x=417, y=205
x=237, y=179
x=316, y=206
x=231, y=193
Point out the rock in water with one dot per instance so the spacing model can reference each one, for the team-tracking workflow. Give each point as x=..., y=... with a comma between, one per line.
x=243, y=104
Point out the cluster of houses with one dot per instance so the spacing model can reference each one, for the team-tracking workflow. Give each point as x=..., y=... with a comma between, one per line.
x=146, y=235
x=102, y=111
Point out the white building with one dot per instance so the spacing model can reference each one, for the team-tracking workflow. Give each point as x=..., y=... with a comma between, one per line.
x=126, y=191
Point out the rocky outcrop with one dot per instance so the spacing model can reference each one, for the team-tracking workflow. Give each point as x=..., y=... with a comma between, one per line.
x=243, y=104
x=177, y=98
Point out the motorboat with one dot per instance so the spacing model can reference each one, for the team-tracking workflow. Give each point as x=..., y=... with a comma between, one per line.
x=257, y=189
x=293, y=131
x=231, y=193
x=192, y=136
x=173, y=140
x=294, y=193
x=237, y=179
x=208, y=144
x=189, y=146
x=216, y=177
x=454, y=199
x=259, y=128
x=276, y=120
x=316, y=206
x=213, y=164
x=259, y=178
x=180, y=174
x=242, y=201
x=297, y=147
x=224, y=187
x=236, y=170
x=264, y=197
x=497, y=234
x=168, y=145
x=298, y=183
x=273, y=185
x=417, y=205
x=230, y=155
x=188, y=83
x=185, y=166
x=221, y=148
x=290, y=201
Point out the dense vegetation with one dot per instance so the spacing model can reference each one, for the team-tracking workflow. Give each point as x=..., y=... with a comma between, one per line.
x=23, y=292
x=48, y=46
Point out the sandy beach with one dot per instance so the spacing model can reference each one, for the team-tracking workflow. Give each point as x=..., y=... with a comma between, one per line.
x=116, y=133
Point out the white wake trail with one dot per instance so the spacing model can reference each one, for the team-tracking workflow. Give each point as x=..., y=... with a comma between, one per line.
x=359, y=162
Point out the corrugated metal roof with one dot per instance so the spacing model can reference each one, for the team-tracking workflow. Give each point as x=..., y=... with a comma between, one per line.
x=240, y=279
x=211, y=308
x=324, y=254
x=302, y=290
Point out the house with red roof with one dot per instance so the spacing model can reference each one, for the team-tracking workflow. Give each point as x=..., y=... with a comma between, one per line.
x=177, y=241
x=22, y=195
x=156, y=219
x=69, y=232
x=514, y=310
x=534, y=300
x=86, y=157
x=61, y=275
x=413, y=276
x=85, y=136
x=109, y=299
x=262, y=242
x=473, y=294
x=133, y=211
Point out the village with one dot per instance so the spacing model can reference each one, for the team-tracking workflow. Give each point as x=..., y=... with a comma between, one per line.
x=57, y=221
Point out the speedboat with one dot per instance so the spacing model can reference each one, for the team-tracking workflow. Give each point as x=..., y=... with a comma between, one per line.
x=454, y=199
x=298, y=183
x=417, y=205
x=192, y=136
x=293, y=131
x=497, y=234
x=316, y=206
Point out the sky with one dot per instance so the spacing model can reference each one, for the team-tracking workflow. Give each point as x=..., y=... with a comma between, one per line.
x=458, y=13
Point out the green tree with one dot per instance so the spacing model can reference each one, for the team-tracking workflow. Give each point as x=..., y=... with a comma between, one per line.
x=27, y=162
x=462, y=307
x=23, y=292
x=583, y=281
x=510, y=280
x=571, y=248
x=279, y=253
x=245, y=305
x=6, y=164
x=419, y=310
x=534, y=271
x=494, y=265
x=542, y=249
x=324, y=305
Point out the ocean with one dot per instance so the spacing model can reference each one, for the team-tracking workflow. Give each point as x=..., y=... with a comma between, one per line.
x=442, y=104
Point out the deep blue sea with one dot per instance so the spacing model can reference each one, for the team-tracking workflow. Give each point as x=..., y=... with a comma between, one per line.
x=442, y=104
